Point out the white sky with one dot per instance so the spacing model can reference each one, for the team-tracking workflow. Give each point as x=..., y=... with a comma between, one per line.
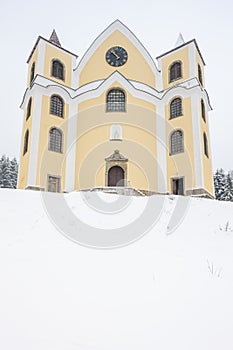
x=156, y=24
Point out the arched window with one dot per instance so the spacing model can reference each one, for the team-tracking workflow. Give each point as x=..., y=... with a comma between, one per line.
x=206, y=150
x=25, y=145
x=176, y=142
x=55, y=140
x=56, y=106
x=29, y=108
x=32, y=74
x=203, y=110
x=116, y=101
x=176, y=108
x=200, y=75
x=175, y=71
x=116, y=132
x=58, y=70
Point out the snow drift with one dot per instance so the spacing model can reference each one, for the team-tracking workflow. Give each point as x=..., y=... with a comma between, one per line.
x=162, y=291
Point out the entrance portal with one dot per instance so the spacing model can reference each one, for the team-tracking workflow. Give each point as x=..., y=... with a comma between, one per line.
x=116, y=176
x=178, y=186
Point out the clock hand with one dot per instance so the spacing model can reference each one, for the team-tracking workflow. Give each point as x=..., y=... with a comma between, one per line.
x=114, y=53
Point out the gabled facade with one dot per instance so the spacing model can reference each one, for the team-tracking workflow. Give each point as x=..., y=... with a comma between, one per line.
x=116, y=118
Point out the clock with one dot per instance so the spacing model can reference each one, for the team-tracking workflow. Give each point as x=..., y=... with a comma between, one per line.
x=116, y=56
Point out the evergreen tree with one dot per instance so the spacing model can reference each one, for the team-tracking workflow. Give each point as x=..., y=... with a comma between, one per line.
x=8, y=172
x=228, y=189
x=1, y=178
x=14, y=172
x=219, y=183
x=6, y=178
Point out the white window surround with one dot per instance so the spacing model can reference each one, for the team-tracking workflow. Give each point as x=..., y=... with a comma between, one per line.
x=116, y=132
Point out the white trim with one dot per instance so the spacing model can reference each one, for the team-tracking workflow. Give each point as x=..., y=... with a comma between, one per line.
x=72, y=135
x=116, y=77
x=161, y=147
x=197, y=141
x=209, y=145
x=34, y=139
x=41, y=58
x=143, y=87
x=181, y=91
x=192, y=60
x=74, y=82
x=137, y=89
x=117, y=25
x=90, y=86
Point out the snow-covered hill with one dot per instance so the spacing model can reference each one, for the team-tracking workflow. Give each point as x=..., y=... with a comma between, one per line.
x=169, y=289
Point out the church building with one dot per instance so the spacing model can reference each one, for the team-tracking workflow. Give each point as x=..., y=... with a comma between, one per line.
x=116, y=117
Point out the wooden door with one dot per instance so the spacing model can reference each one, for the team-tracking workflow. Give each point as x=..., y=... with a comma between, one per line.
x=178, y=186
x=116, y=176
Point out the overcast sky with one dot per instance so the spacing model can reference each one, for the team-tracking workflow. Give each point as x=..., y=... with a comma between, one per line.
x=156, y=24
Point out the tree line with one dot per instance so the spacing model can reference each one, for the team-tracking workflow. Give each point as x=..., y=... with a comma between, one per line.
x=223, y=185
x=8, y=172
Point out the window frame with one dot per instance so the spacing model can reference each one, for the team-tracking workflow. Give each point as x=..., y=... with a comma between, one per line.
x=26, y=142
x=200, y=75
x=180, y=149
x=29, y=108
x=56, y=60
x=110, y=104
x=59, y=182
x=203, y=110
x=206, y=145
x=170, y=79
x=32, y=72
x=54, y=147
x=176, y=108
x=54, y=108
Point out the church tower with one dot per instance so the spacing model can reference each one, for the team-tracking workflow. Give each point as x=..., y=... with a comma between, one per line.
x=117, y=118
x=46, y=107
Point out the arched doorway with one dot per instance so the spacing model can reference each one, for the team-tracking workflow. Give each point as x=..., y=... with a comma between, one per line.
x=116, y=177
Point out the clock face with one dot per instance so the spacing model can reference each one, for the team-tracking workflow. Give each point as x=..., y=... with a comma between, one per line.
x=116, y=56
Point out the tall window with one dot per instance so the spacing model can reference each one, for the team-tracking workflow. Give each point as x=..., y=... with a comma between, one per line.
x=176, y=108
x=32, y=74
x=58, y=70
x=200, y=75
x=56, y=106
x=203, y=110
x=25, y=144
x=116, y=101
x=176, y=142
x=206, y=150
x=175, y=71
x=29, y=108
x=55, y=140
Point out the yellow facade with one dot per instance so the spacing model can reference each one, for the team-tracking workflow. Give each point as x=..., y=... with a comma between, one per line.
x=181, y=56
x=181, y=164
x=52, y=53
x=142, y=72
x=50, y=162
x=24, y=158
x=102, y=141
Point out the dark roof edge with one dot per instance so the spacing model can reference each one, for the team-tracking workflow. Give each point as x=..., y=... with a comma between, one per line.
x=59, y=47
x=179, y=47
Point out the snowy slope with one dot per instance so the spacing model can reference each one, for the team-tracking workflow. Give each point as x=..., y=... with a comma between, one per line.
x=167, y=290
